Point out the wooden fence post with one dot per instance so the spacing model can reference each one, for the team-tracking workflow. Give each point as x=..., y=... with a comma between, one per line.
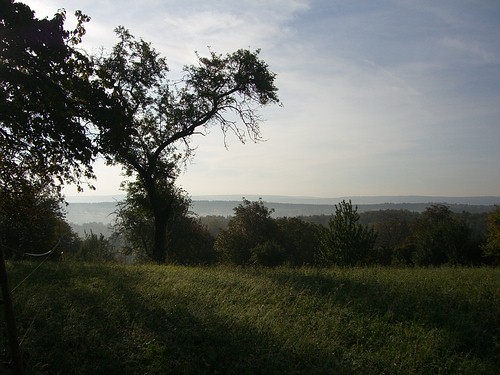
x=17, y=364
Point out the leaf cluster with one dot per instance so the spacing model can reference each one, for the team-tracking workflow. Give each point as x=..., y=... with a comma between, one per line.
x=158, y=116
x=44, y=98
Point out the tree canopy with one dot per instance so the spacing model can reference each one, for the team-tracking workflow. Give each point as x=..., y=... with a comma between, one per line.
x=158, y=116
x=46, y=99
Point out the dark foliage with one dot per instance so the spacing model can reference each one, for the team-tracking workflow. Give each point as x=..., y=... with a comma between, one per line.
x=251, y=236
x=440, y=238
x=346, y=242
x=159, y=116
x=33, y=222
x=492, y=245
x=188, y=241
x=46, y=99
x=92, y=248
x=300, y=240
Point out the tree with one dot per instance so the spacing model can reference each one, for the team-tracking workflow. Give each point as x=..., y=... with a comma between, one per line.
x=300, y=240
x=32, y=221
x=251, y=236
x=134, y=221
x=188, y=241
x=46, y=100
x=159, y=116
x=93, y=247
x=439, y=238
x=492, y=246
x=346, y=242
x=393, y=228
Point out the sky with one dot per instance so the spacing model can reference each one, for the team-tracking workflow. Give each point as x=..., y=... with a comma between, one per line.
x=384, y=97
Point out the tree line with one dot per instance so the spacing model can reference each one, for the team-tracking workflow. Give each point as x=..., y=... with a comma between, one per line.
x=389, y=237
x=252, y=236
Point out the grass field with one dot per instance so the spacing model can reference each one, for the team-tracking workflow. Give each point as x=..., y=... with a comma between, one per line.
x=78, y=318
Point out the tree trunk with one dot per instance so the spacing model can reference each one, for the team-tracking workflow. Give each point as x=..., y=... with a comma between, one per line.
x=10, y=320
x=160, y=235
x=161, y=211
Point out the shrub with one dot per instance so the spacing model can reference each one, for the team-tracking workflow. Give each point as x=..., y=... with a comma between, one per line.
x=269, y=254
x=300, y=241
x=439, y=239
x=92, y=248
x=250, y=227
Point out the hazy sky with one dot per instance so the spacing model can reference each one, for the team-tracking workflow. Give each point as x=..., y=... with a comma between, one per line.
x=379, y=97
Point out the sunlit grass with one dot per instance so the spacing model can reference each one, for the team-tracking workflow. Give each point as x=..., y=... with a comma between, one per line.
x=89, y=318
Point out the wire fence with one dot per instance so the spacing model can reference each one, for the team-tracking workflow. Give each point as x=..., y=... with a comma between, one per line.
x=46, y=256
x=43, y=257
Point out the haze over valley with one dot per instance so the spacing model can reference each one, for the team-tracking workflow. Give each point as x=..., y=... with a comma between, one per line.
x=100, y=209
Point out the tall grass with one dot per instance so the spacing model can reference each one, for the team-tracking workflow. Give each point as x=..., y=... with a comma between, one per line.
x=110, y=319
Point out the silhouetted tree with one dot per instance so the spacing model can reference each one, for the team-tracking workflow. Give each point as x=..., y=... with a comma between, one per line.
x=92, y=248
x=439, y=238
x=251, y=236
x=300, y=240
x=345, y=241
x=160, y=116
x=492, y=246
x=393, y=228
x=188, y=241
x=215, y=223
x=32, y=221
x=46, y=100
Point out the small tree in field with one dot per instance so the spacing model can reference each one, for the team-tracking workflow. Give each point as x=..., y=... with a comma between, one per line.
x=158, y=117
x=346, y=242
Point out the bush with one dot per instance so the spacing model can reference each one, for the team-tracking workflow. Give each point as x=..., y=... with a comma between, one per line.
x=269, y=254
x=92, y=248
x=250, y=227
x=300, y=241
x=439, y=239
x=190, y=242
x=32, y=221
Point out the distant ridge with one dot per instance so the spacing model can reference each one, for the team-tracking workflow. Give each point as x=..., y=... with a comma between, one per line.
x=94, y=198
x=382, y=199
x=396, y=199
x=103, y=212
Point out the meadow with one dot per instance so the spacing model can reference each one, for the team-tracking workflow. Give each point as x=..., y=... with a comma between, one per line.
x=82, y=318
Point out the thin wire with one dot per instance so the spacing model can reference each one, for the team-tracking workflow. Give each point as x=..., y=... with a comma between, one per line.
x=37, y=267
x=32, y=321
x=30, y=254
x=39, y=255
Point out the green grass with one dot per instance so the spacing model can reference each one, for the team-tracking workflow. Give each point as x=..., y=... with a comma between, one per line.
x=110, y=319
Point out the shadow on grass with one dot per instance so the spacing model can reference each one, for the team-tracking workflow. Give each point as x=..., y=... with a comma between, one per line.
x=96, y=322
x=472, y=329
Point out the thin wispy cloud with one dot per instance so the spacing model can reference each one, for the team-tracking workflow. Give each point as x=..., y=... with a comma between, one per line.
x=387, y=97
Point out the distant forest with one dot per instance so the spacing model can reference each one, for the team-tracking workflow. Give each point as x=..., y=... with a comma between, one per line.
x=103, y=212
x=97, y=218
